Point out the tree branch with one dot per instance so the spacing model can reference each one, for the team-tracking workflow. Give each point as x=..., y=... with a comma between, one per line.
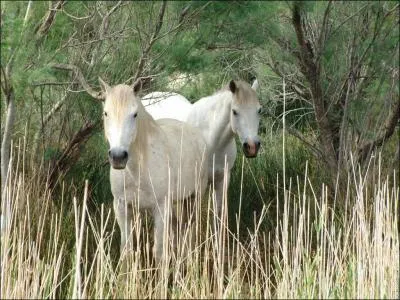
x=4, y=82
x=46, y=83
x=153, y=38
x=183, y=13
x=295, y=85
x=105, y=22
x=160, y=20
x=388, y=129
x=44, y=27
x=56, y=107
x=323, y=33
x=293, y=131
x=70, y=154
x=81, y=79
x=306, y=54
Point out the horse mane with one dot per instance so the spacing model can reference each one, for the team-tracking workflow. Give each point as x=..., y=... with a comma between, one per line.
x=146, y=126
x=244, y=94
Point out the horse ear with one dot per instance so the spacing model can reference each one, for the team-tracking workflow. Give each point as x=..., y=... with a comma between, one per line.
x=137, y=85
x=232, y=86
x=104, y=86
x=255, y=85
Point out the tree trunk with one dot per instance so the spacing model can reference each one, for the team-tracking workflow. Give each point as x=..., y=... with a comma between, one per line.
x=310, y=68
x=6, y=142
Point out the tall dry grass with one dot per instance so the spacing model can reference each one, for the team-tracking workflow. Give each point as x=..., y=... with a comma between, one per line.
x=314, y=252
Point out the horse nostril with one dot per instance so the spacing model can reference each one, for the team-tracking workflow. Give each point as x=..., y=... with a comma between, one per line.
x=257, y=144
x=117, y=154
x=246, y=145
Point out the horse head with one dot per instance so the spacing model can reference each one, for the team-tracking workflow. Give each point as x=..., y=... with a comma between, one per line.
x=245, y=115
x=121, y=112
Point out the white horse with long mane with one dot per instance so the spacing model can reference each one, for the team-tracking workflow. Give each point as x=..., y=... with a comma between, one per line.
x=233, y=111
x=152, y=162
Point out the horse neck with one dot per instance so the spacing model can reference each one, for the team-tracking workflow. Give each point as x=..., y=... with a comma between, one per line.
x=221, y=133
x=146, y=131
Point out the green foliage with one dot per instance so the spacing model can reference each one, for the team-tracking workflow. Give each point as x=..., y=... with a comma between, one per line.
x=263, y=178
x=93, y=166
x=40, y=75
x=51, y=153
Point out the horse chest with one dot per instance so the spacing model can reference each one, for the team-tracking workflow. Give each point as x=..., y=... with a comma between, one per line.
x=131, y=189
x=220, y=156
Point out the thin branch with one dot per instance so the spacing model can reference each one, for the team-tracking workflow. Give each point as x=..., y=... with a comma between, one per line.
x=11, y=62
x=56, y=107
x=297, y=86
x=105, y=22
x=392, y=10
x=51, y=83
x=348, y=18
x=183, y=13
x=355, y=66
x=81, y=79
x=305, y=52
x=293, y=131
x=146, y=51
x=226, y=47
x=102, y=32
x=323, y=33
x=107, y=37
x=44, y=27
x=71, y=153
x=142, y=82
x=390, y=125
x=77, y=18
x=4, y=81
x=181, y=21
x=160, y=20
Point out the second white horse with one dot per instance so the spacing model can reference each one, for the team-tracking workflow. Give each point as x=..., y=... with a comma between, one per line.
x=234, y=110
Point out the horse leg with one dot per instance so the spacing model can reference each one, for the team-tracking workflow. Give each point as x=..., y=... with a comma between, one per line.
x=159, y=225
x=165, y=222
x=187, y=231
x=124, y=219
x=219, y=189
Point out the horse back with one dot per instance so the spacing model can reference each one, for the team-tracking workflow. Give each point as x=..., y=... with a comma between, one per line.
x=166, y=105
x=183, y=135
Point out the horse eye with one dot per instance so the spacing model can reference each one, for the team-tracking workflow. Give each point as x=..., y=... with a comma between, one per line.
x=234, y=112
x=135, y=115
x=259, y=111
x=105, y=114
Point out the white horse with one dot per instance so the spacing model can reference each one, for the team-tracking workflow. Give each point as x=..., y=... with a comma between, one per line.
x=234, y=110
x=152, y=162
x=158, y=109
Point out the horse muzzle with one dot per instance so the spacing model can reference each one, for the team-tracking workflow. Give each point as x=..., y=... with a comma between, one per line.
x=250, y=147
x=118, y=158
